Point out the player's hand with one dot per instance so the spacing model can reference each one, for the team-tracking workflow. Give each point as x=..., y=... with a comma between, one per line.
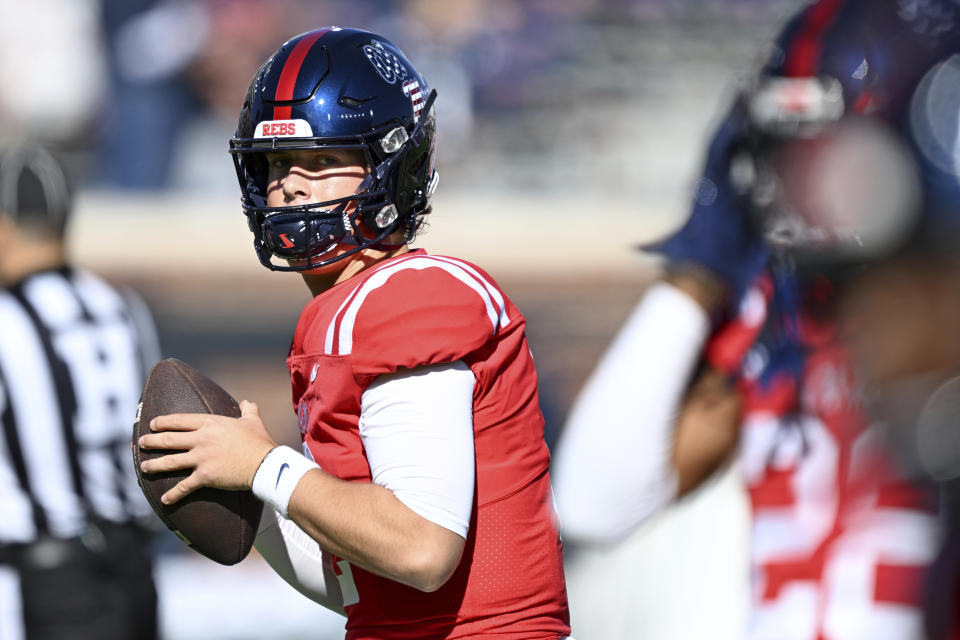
x=223, y=452
x=718, y=236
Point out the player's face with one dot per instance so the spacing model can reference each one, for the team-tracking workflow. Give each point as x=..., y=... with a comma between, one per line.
x=309, y=177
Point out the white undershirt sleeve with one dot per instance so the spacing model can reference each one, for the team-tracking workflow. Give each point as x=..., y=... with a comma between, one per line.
x=417, y=431
x=298, y=559
x=612, y=466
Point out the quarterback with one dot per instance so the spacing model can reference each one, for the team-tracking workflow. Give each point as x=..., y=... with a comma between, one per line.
x=421, y=504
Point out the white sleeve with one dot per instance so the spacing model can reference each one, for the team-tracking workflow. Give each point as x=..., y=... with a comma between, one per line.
x=298, y=559
x=417, y=431
x=612, y=467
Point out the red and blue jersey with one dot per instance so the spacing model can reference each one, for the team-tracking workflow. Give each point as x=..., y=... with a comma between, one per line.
x=840, y=540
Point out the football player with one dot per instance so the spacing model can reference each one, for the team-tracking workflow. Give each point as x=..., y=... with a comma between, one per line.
x=807, y=178
x=421, y=504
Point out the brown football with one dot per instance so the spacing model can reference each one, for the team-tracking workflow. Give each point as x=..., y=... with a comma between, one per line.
x=218, y=524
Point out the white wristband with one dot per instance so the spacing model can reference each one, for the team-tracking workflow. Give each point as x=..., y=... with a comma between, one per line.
x=278, y=476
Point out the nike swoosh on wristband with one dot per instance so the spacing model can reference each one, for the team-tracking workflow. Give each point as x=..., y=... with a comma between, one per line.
x=282, y=467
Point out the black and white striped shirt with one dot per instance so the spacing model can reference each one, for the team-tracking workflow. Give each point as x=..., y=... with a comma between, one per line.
x=73, y=356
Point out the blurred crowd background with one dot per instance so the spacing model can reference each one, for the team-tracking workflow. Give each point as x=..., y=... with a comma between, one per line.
x=536, y=94
x=569, y=131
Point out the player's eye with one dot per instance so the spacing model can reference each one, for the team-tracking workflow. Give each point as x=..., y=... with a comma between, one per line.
x=324, y=161
x=279, y=162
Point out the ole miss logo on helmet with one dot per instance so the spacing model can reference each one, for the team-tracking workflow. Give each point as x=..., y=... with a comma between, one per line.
x=387, y=65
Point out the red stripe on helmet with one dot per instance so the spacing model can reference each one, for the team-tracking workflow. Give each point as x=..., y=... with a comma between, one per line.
x=803, y=55
x=865, y=104
x=291, y=69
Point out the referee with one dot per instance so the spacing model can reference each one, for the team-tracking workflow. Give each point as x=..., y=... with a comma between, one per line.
x=74, y=562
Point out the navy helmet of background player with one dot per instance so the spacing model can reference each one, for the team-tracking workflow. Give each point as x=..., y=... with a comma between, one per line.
x=349, y=90
x=828, y=165
x=814, y=157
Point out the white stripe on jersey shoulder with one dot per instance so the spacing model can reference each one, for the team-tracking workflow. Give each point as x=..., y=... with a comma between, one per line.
x=492, y=290
x=491, y=298
x=328, y=341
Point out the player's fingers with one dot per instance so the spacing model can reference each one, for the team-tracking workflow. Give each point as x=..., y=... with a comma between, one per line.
x=167, y=440
x=172, y=462
x=249, y=409
x=178, y=422
x=182, y=489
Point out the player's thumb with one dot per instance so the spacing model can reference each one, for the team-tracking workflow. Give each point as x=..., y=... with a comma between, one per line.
x=249, y=409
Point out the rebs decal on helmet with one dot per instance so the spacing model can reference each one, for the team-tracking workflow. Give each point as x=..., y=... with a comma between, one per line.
x=283, y=129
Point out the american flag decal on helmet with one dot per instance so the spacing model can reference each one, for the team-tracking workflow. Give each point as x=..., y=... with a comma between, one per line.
x=411, y=89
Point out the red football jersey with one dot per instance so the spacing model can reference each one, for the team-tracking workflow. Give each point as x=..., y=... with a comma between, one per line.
x=840, y=542
x=411, y=311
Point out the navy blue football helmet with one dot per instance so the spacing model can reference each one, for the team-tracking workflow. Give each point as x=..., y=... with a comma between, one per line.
x=831, y=99
x=337, y=88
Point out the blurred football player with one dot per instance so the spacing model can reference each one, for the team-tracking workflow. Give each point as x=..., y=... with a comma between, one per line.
x=901, y=312
x=739, y=345
x=422, y=508
x=75, y=557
